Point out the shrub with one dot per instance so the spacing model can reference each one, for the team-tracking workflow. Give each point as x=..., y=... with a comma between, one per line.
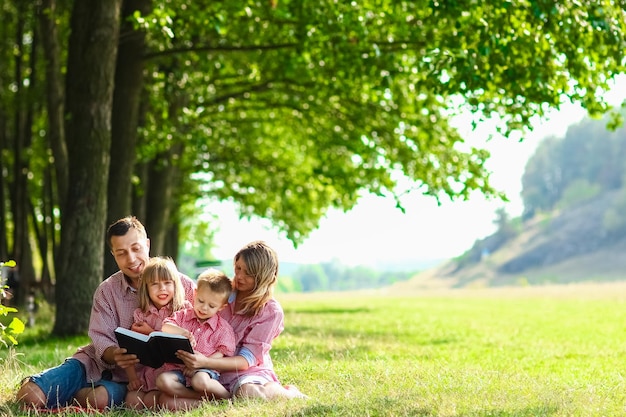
x=8, y=332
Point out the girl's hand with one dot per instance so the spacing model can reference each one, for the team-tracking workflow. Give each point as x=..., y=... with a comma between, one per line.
x=134, y=385
x=188, y=372
x=142, y=327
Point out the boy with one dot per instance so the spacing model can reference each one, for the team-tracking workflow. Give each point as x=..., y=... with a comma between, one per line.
x=210, y=335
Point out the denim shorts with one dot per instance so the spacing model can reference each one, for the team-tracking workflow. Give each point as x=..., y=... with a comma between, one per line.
x=181, y=377
x=61, y=383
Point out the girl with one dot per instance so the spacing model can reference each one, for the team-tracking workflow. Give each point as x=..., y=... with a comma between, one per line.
x=160, y=294
x=257, y=319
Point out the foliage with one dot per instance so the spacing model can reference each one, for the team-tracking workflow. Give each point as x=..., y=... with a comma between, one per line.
x=288, y=108
x=577, y=192
x=614, y=221
x=334, y=276
x=8, y=332
x=588, y=160
x=333, y=98
x=549, y=351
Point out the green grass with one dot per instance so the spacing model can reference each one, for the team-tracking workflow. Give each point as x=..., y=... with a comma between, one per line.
x=519, y=352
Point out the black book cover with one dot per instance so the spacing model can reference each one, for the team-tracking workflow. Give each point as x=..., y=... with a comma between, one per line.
x=154, y=349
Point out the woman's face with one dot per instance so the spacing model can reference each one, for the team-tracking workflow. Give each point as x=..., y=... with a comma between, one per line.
x=243, y=282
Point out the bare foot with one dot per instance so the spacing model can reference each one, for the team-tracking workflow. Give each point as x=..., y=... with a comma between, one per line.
x=294, y=392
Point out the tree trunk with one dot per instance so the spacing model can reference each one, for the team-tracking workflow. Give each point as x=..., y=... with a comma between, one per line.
x=90, y=78
x=170, y=247
x=49, y=226
x=159, y=196
x=126, y=98
x=54, y=94
x=139, y=193
x=48, y=13
x=22, y=251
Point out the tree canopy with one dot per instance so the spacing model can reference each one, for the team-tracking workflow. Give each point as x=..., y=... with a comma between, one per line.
x=285, y=107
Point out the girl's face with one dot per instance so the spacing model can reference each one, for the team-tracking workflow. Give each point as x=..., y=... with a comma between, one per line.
x=243, y=282
x=161, y=292
x=207, y=303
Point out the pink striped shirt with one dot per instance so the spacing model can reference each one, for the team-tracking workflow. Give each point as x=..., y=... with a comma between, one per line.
x=212, y=335
x=154, y=316
x=256, y=334
x=113, y=305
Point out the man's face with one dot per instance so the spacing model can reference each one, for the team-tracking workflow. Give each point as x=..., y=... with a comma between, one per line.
x=131, y=252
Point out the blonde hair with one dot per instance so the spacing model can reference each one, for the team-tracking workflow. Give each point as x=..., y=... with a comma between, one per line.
x=216, y=281
x=262, y=264
x=161, y=268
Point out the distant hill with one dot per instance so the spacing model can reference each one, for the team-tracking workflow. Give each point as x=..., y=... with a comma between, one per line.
x=569, y=245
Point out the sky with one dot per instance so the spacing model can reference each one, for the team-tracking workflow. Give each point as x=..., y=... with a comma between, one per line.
x=376, y=233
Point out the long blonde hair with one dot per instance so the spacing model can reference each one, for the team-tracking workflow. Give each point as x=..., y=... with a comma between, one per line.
x=262, y=264
x=161, y=268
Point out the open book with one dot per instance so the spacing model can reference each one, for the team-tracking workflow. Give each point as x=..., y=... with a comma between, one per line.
x=154, y=349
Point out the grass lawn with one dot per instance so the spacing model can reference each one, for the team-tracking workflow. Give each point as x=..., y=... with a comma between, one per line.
x=542, y=351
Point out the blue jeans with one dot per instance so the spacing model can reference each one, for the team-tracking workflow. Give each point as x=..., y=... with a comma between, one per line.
x=60, y=384
x=181, y=377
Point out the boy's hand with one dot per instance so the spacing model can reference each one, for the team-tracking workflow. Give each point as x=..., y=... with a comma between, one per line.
x=191, y=338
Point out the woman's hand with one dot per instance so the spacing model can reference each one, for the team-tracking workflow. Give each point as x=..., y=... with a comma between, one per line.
x=192, y=360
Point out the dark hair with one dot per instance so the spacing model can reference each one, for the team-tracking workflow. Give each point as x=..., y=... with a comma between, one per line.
x=122, y=226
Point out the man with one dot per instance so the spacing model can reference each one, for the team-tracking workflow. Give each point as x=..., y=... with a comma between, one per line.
x=94, y=376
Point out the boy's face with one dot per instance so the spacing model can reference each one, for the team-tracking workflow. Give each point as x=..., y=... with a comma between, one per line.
x=207, y=303
x=131, y=252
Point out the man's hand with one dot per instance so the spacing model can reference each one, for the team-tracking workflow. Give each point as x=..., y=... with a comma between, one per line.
x=118, y=356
